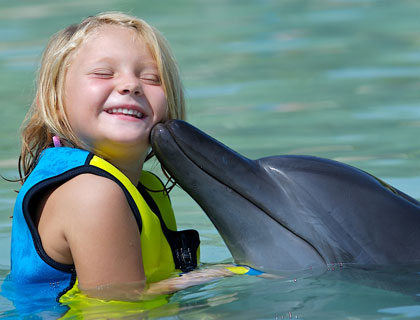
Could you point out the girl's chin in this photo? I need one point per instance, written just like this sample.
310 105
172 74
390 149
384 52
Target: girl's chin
121 155
121 145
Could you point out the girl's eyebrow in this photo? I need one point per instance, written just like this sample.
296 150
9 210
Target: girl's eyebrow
150 63
103 59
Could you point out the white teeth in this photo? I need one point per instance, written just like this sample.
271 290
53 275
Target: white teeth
129 112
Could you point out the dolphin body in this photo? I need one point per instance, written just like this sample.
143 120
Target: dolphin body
291 213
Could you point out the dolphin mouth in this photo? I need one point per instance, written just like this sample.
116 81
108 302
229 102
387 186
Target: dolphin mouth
174 142
174 134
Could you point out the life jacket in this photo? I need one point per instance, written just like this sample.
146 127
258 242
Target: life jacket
165 251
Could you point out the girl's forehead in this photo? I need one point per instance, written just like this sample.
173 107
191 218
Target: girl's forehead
108 31
107 38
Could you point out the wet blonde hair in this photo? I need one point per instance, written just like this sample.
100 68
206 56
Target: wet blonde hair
47 116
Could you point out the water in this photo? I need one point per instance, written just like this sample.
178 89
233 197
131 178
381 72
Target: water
332 78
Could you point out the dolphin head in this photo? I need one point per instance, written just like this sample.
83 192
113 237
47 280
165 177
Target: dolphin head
237 195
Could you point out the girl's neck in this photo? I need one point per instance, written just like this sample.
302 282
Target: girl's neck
129 163
132 168
133 172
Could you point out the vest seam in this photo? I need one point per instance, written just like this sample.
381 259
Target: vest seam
89 159
69 287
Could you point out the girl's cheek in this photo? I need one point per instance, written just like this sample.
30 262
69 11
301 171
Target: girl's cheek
97 85
158 102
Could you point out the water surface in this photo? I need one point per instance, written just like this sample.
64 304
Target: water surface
332 78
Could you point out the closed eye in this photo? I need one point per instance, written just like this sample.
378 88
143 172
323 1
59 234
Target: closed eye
152 79
103 74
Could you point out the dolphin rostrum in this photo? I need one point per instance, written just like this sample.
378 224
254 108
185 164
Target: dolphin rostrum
290 213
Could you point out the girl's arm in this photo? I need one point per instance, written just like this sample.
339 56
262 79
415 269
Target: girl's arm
87 221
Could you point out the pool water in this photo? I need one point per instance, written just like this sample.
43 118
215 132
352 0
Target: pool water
333 78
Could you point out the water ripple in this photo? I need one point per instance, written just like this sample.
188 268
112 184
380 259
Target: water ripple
374 73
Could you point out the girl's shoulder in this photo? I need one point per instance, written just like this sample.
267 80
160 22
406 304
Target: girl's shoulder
90 193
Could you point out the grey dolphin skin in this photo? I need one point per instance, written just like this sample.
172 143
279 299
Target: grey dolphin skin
290 213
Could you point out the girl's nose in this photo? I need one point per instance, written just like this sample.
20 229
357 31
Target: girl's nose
130 86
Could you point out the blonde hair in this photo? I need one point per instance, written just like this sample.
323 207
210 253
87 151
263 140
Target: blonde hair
47 116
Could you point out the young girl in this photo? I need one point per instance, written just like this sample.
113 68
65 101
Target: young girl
86 213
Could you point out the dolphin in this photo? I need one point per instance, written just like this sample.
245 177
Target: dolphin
291 212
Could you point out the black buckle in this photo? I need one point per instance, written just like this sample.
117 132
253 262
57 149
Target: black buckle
184 259
184 249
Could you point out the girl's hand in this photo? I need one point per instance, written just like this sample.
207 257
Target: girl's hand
186 280
138 290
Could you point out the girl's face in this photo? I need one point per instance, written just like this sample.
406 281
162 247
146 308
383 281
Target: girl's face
113 94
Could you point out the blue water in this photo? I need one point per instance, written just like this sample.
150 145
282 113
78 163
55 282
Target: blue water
332 78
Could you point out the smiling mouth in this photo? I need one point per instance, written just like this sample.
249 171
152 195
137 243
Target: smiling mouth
127 112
